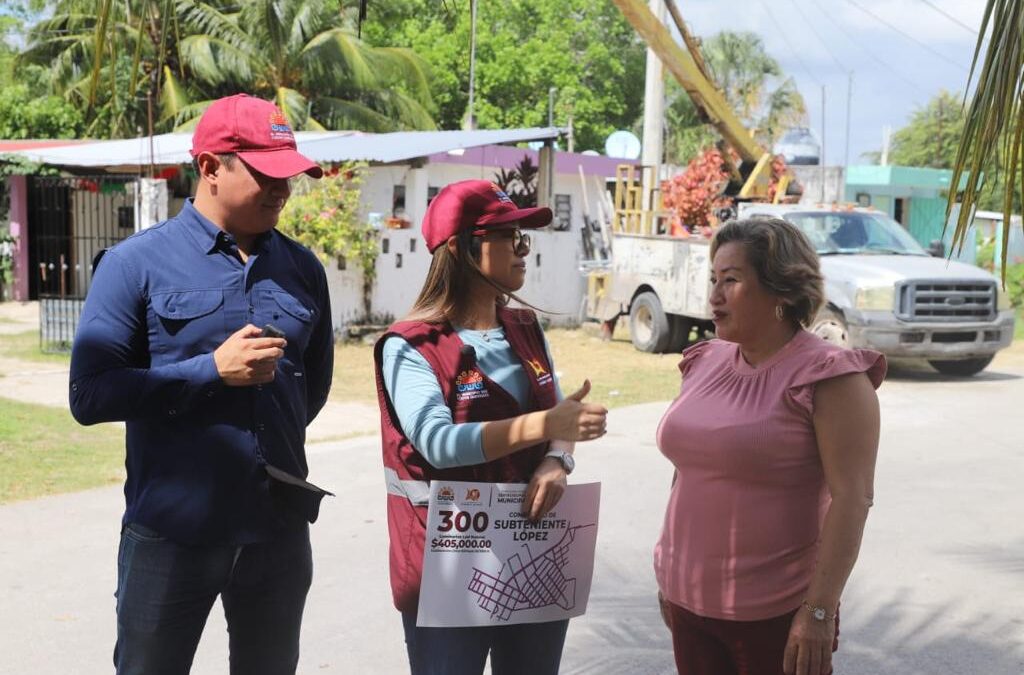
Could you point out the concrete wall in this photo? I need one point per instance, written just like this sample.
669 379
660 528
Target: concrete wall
553 282
17 187
810 178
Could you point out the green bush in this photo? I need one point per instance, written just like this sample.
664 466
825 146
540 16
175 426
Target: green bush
325 216
1015 284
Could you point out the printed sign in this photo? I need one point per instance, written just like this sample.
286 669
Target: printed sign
486 564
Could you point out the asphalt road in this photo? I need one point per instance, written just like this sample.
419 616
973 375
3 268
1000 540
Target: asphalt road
939 588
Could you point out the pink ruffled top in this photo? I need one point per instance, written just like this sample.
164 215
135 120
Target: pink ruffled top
741 529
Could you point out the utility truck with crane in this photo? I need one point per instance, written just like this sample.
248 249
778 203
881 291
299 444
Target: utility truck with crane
884 291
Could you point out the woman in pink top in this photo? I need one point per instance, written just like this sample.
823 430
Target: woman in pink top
774 437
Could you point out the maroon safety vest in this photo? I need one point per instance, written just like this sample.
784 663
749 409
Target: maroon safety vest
472 397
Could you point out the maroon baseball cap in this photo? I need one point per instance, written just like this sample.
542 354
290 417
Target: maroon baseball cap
476 204
255 130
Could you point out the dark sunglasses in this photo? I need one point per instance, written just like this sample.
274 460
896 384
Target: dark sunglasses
520 240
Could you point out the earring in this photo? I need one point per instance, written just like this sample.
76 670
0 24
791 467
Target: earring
779 314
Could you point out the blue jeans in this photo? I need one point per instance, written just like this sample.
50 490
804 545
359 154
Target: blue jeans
517 649
165 592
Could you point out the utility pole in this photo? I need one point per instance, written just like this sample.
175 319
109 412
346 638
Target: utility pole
654 107
849 97
551 106
470 122
821 163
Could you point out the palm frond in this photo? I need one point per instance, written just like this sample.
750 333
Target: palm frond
294 106
267 16
173 98
308 20
336 55
994 127
403 65
338 113
406 111
217 62
202 18
189 115
103 17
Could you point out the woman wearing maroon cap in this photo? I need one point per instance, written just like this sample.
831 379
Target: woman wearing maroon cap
466 392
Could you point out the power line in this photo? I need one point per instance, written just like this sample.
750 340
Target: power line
792 49
972 31
888 68
824 44
906 35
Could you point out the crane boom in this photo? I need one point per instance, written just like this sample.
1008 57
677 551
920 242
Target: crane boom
755 160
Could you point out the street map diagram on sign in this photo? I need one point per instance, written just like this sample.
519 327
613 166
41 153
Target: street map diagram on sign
530 584
486 564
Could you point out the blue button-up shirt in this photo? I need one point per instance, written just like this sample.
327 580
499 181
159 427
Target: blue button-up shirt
159 305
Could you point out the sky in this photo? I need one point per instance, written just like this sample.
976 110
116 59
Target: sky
818 42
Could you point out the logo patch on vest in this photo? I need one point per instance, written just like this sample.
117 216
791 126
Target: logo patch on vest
542 375
446 494
470 385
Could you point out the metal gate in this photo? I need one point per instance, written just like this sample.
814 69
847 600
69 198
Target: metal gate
70 220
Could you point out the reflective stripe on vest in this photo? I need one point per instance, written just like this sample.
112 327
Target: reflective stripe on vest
416 491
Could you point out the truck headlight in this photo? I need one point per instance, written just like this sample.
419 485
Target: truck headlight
879 297
1002 300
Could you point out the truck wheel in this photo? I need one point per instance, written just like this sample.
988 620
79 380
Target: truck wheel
680 329
830 326
648 325
963 368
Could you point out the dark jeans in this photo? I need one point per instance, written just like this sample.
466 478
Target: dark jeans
165 592
518 649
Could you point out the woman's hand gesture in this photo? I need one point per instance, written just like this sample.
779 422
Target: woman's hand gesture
573 420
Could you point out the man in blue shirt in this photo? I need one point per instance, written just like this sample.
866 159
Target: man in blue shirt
216 412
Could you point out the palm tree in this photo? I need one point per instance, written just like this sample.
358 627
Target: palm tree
746 73
994 127
307 59
152 65
111 60
752 82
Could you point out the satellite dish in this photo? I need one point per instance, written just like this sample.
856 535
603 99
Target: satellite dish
591 153
622 144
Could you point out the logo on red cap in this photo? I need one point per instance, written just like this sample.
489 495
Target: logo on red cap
279 129
502 197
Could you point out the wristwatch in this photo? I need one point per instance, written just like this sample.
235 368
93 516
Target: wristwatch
565 458
818 613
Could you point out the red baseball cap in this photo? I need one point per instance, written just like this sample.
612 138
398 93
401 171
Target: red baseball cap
476 204
255 130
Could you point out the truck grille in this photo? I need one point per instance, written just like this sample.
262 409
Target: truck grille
946 301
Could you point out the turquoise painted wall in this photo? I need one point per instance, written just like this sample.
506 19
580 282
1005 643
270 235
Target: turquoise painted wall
927 219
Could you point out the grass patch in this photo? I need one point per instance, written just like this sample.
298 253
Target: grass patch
353 374
25 347
43 451
620 374
1018 328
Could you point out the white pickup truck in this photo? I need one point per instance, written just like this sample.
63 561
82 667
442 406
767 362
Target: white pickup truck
883 290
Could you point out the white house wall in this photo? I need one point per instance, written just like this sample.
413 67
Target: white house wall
553 283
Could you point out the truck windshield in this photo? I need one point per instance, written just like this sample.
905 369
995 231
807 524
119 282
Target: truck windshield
855 232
